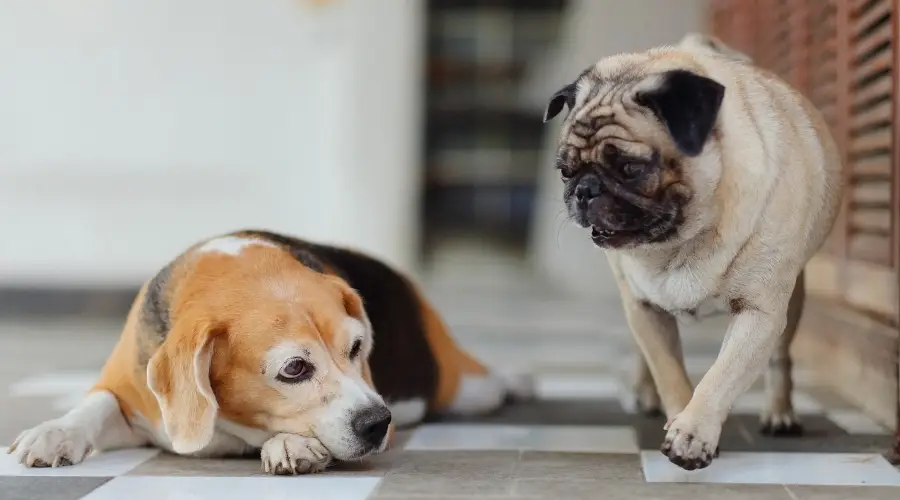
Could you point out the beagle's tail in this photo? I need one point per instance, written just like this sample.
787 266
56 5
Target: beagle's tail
466 386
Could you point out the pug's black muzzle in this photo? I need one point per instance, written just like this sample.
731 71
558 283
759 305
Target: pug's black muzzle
618 217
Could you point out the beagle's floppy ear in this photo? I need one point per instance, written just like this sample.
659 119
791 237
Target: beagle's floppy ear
353 303
178 375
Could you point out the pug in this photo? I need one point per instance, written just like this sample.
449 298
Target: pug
706 180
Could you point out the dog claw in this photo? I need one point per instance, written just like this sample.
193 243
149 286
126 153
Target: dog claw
687 463
781 429
780 425
687 450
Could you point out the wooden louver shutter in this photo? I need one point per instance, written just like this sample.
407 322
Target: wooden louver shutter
870 132
842 54
827 86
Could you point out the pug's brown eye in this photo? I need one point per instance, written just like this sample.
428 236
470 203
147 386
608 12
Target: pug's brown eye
355 349
295 370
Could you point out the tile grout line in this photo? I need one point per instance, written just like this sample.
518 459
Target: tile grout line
746 434
790 493
513 477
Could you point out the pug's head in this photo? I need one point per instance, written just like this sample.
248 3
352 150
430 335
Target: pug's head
638 152
702 41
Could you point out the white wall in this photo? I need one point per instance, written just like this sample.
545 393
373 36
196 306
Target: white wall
592 29
129 129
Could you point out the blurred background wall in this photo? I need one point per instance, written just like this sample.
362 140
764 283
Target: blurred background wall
129 130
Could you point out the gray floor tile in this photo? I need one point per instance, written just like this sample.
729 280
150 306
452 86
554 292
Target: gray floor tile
599 489
580 466
48 488
172 465
447 497
844 492
602 412
473 474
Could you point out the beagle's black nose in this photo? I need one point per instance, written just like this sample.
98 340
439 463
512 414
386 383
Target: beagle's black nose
371 424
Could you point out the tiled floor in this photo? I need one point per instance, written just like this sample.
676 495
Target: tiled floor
581 440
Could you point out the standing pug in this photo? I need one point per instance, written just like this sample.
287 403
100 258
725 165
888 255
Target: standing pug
705 179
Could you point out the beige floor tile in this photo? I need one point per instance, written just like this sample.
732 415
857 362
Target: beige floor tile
476 496
605 490
474 474
580 466
48 488
173 465
844 493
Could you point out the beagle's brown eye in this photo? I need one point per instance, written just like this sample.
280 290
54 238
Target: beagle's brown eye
355 349
295 370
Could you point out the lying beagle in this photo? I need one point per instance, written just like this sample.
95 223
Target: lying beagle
259 342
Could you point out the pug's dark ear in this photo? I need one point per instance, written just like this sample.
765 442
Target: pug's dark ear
688 104
563 97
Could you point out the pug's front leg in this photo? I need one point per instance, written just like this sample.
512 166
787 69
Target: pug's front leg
646 396
656 333
693 435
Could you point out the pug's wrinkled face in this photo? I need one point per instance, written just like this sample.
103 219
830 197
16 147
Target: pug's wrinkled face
634 149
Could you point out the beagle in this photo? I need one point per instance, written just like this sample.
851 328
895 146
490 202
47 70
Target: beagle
256 342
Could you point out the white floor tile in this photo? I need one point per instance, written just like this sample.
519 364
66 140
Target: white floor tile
67 388
576 439
585 386
528 354
855 422
827 469
55 383
577 386
696 366
108 464
236 488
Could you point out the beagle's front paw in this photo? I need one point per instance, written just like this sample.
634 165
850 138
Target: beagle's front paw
51 444
289 454
692 443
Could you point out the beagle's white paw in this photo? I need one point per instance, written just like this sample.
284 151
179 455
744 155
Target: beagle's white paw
51 444
289 454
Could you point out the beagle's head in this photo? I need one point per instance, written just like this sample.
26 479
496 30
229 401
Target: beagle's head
257 343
